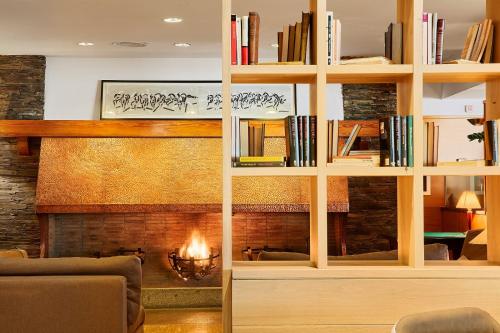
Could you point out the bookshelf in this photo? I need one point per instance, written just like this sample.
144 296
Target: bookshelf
248 286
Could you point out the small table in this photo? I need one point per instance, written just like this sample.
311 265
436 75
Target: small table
454 240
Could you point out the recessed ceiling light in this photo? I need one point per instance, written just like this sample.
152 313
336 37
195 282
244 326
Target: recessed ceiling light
275 45
182 44
86 44
130 44
172 20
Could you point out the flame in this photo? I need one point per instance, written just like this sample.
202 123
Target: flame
196 249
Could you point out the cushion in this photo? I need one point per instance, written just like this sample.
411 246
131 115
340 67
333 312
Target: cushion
462 320
16 253
474 251
126 266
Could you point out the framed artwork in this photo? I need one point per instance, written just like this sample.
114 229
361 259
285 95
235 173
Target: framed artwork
193 100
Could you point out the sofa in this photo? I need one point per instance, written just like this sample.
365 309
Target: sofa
77 295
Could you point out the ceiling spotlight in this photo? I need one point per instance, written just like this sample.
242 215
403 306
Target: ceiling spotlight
172 20
86 44
275 46
130 44
182 44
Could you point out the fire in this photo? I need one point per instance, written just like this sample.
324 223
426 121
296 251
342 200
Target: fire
196 249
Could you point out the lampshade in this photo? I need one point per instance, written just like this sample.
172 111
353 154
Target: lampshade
468 200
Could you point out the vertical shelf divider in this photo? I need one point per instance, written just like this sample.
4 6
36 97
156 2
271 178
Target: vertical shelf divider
492 111
227 192
317 106
409 101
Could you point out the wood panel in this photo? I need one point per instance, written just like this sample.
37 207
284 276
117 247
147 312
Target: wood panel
125 128
355 301
315 329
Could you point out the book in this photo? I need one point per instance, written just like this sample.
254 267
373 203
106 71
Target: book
253 38
430 143
398 134
384 142
367 161
425 27
238 40
430 25
234 59
350 141
291 42
284 49
467 42
409 131
366 61
330 139
256 159
306 23
392 142
471 163
488 142
300 134
244 138
388 42
233 139
258 164
435 150
434 37
440 41
484 41
295 140
480 39
472 42
329 34
244 40
494 136
280 45
397 43
298 40
306 141
338 42
404 142
291 141
335 136
426 146
489 47
313 143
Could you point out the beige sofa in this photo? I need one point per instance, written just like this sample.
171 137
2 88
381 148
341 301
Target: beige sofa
77 295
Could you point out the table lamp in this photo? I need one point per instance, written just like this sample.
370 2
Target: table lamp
469 201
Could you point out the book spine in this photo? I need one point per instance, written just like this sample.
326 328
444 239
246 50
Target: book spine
306 23
234 60
238 137
280 45
300 132
384 142
397 134
291 42
329 27
409 133
425 27
338 41
306 139
440 41
495 142
429 38
288 141
392 142
244 40
313 145
298 41
238 40
253 38
404 142
233 139
434 37
296 139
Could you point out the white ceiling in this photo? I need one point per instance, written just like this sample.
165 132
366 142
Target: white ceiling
54 27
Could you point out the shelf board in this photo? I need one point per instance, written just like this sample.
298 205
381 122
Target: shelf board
278 171
462 171
461 73
368 73
369 171
273 74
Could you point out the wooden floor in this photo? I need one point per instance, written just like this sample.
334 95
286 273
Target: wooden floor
183 321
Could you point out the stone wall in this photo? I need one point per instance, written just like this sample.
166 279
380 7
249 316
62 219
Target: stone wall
22 83
372 221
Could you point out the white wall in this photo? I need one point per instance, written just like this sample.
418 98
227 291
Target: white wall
72 85
450 99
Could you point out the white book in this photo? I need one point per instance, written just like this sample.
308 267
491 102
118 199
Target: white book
233 139
329 27
333 42
238 40
425 26
434 37
238 138
244 138
244 31
429 38
338 41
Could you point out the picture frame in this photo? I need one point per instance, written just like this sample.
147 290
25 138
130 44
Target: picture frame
121 99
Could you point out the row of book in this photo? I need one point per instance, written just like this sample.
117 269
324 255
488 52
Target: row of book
396 141
431 143
491 143
394 43
334 39
301 144
245 39
433 39
293 41
479 42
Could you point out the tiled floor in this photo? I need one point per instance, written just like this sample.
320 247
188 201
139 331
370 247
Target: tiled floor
183 321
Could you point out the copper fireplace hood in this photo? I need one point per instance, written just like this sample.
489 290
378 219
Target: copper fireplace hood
96 175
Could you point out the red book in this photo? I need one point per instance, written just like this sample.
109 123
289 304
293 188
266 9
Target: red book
244 40
234 60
